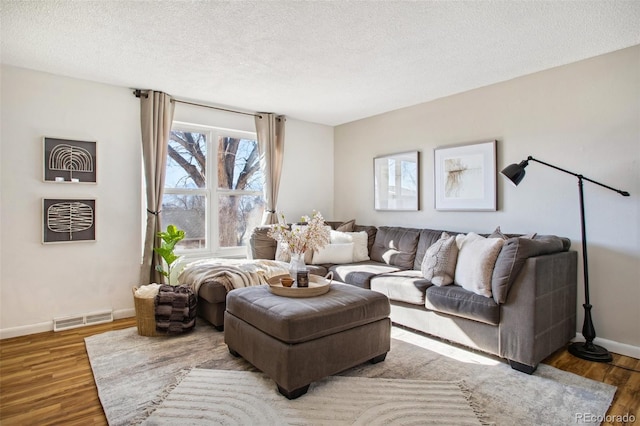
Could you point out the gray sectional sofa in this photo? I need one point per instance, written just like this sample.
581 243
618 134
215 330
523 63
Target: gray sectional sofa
531 314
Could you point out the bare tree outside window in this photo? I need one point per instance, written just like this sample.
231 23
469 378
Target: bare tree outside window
238 194
238 170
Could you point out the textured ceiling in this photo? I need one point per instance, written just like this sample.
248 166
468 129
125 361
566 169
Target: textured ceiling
321 61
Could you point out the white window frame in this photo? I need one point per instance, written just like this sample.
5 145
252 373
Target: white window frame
211 191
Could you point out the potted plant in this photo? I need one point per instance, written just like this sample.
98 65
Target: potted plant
170 238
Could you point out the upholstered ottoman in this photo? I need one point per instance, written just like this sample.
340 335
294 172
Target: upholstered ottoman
296 341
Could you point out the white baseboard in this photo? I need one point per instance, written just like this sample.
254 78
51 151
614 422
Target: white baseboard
615 347
24 330
124 313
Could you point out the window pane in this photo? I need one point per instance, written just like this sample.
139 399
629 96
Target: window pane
239 164
187 212
186 160
238 214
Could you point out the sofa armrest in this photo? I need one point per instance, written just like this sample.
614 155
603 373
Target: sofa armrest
539 316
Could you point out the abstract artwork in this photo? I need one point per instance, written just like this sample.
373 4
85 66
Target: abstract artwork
396 180
68 220
69 161
465 177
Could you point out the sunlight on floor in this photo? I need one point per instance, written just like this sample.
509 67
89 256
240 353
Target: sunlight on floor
443 348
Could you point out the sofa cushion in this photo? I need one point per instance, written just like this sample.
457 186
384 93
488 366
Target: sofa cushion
395 246
513 254
403 286
476 261
360 274
439 263
455 300
213 291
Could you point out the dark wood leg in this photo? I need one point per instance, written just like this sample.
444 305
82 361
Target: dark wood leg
378 358
524 368
296 393
234 353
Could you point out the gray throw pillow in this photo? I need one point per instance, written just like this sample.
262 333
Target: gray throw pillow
514 253
439 263
346 226
262 245
497 233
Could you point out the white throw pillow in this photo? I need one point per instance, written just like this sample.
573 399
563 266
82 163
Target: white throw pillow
476 259
282 253
334 253
360 243
439 263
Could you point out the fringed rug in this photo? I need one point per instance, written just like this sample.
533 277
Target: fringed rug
133 373
206 397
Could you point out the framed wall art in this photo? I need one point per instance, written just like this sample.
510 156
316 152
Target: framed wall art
69 161
67 220
465 177
397 181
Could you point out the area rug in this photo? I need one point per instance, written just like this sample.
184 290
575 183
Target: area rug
228 397
133 373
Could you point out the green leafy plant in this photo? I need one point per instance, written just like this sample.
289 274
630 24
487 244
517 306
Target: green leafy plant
170 238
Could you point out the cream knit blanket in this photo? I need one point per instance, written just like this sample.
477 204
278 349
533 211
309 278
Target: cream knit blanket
238 272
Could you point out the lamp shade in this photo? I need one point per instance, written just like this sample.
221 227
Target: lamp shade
515 172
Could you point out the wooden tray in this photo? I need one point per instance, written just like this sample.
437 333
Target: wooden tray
317 286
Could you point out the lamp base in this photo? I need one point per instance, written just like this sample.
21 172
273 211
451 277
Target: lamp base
590 352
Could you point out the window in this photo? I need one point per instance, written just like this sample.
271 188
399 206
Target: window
213 188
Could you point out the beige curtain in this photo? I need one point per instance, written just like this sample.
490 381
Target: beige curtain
156 116
270 131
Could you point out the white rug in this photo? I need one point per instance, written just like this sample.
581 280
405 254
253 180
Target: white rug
132 373
224 397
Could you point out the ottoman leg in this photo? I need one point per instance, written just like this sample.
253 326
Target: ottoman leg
296 393
234 353
378 358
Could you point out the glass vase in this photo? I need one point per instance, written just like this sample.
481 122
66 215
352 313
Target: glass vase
296 264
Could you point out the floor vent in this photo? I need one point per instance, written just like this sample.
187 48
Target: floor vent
65 323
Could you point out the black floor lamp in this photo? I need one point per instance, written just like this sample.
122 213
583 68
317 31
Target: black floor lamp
587 350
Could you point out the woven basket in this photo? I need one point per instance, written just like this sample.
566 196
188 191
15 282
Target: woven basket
145 315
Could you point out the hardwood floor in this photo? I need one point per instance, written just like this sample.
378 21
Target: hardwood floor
46 379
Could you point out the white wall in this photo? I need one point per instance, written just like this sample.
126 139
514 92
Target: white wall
584 117
39 282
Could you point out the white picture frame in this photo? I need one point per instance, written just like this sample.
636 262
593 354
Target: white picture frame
397 181
465 177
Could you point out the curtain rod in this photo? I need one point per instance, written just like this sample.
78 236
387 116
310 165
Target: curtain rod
139 93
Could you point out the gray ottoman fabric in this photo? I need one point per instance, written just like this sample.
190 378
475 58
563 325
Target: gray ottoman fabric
295 320
296 341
